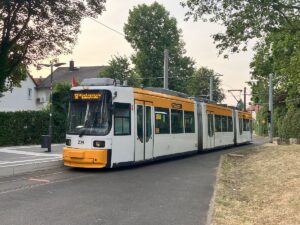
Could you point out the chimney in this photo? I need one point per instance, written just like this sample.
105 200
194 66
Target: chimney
72 67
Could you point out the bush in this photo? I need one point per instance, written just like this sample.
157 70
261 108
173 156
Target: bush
26 127
261 122
290 124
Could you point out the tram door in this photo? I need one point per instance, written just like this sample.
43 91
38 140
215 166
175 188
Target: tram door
210 131
143 130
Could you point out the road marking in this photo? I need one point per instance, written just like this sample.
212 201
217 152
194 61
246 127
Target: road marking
31 163
31 146
39 180
27 187
23 161
26 178
20 157
3 150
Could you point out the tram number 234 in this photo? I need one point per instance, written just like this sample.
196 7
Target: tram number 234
80 142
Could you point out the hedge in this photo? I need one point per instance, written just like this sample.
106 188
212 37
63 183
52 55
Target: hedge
290 124
286 122
26 127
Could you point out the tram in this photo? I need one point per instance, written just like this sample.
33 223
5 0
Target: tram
110 125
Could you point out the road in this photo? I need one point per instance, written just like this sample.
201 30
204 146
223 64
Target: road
174 192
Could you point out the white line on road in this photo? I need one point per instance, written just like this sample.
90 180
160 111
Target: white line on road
24 161
39 180
31 163
30 146
3 150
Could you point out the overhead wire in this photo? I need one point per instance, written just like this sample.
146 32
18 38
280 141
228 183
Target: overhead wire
108 27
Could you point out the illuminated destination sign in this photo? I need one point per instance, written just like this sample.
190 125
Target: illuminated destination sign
86 96
176 106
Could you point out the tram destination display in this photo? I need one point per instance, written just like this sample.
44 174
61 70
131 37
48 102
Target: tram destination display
86 96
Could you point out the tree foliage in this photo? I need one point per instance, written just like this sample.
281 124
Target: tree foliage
245 19
61 98
200 83
31 30
119 68
150 29
279 54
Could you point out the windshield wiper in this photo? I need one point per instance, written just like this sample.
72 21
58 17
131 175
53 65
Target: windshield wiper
81 132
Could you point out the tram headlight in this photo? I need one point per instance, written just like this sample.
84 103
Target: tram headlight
68 142
99 144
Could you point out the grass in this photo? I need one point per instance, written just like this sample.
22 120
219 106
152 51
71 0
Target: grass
259 186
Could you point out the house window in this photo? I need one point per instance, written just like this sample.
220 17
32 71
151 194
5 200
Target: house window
29 93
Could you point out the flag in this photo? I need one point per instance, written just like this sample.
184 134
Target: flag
74 83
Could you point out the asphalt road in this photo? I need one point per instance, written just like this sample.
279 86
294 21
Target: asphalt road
174 192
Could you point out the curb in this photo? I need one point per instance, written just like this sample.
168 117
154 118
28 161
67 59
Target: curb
210 212
19 169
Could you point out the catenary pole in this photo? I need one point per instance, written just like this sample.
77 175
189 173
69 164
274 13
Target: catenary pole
50 111
271 108
211 88
245 106
166 69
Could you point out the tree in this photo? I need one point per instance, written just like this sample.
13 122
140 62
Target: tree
119 68
61 98
150 30
60 102
199 85
279 54
245 19
31 30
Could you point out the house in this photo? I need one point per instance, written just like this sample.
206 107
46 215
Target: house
34 93
20 98
66 74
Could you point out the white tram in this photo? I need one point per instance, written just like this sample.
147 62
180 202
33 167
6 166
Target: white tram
111 125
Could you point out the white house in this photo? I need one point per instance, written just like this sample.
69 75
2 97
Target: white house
33 94
20 98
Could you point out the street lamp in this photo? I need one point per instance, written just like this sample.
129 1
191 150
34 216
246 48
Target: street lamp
52 64
211 85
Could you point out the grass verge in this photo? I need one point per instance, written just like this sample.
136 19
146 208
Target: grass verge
259 185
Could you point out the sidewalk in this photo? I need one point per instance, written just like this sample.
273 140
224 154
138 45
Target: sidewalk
23 159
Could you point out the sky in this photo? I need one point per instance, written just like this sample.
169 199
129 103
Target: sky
97 44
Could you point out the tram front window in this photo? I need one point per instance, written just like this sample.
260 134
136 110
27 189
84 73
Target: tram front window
90 113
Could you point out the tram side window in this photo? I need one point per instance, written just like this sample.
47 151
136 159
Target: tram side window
218 123
246 125
230 125
122 119
224 124
177 121
162 121
189 122
210 124
241 125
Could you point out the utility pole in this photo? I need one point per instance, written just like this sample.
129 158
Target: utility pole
211 88
166 69
271 108
51 65
245 106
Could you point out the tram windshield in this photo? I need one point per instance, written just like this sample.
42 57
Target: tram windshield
90 113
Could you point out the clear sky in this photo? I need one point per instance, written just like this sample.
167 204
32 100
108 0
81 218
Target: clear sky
96 44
